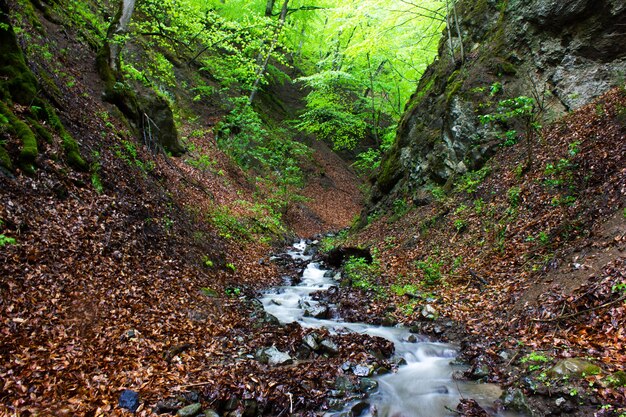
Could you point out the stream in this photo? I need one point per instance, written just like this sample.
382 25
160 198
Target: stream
424 387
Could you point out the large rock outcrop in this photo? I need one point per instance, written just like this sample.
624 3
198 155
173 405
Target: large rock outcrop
562 53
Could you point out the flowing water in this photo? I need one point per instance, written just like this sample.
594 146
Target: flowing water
424 387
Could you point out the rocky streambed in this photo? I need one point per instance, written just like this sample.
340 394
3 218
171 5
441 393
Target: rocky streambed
425 382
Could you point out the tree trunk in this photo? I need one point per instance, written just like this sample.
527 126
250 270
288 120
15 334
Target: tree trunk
263 67
269 8
108 59
458 31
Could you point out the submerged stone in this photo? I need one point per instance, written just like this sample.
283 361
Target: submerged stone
367 384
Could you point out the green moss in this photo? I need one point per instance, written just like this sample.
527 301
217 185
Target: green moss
29 150
507 68
5 159
390 170
453 88
16 80
40 131
72 153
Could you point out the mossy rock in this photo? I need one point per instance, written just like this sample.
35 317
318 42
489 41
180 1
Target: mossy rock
40 131
72 153
29 151
390 170
573 367
20 84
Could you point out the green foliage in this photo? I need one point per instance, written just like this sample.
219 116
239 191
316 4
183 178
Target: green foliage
329 243
514 196
403 289
431 270
518 107
268 151
232 291
334 113
361 273
227 224
535 360
479 205
5 240
509 138
438 193
574 148
460 225
95 166
207 262
128 152
472 179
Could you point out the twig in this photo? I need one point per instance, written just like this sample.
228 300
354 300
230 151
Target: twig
199 384
453 410
567 316
290 402
513 358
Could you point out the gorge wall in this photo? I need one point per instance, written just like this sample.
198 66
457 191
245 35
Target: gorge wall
564 54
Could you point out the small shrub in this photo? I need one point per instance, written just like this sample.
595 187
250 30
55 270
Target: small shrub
5 240
471 180
431 270
460 225
514 196
362 274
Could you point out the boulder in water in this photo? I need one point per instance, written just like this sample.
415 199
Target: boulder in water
359 408
318 311
367 384
362 370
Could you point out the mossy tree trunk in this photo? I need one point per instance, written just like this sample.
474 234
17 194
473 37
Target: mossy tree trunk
150 113
19 85
109 62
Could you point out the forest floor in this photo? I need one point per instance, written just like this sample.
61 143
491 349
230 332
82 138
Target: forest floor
132 288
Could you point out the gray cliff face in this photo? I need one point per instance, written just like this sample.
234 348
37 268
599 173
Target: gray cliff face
562 53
